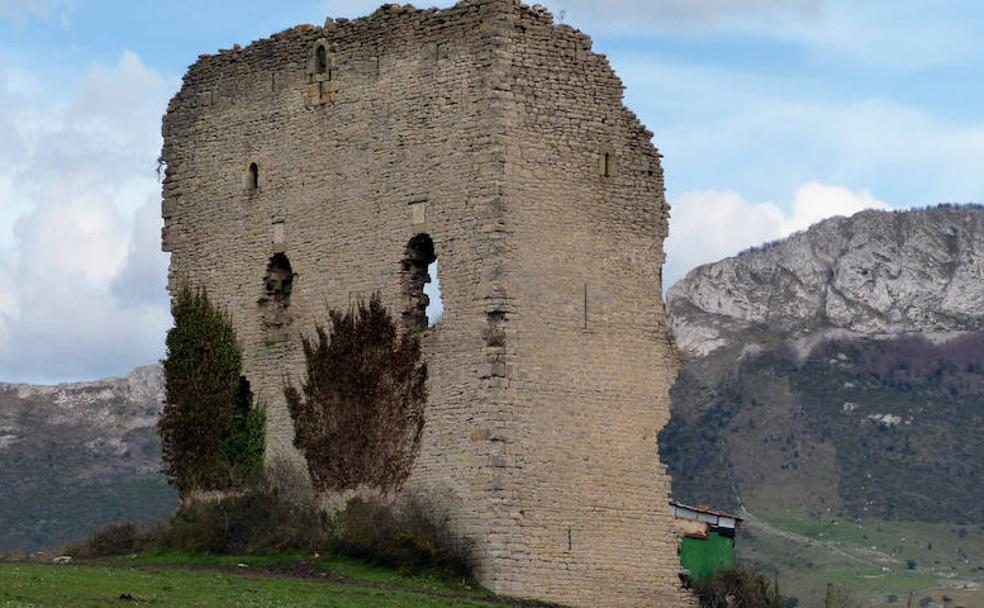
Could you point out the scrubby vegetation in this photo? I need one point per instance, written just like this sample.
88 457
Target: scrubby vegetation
408 536
269 518
737 588
115 539
900 418
870 445
359 414
281 515
212 437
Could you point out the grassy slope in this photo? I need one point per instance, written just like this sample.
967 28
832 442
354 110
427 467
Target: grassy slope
780 436
182 580
56 490
870 557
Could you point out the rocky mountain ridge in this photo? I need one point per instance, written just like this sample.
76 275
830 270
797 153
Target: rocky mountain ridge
877 272
112 406
832 386
79 455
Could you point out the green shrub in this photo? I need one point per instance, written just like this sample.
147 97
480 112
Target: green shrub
211 438
408 536
277 515
245 445
115 539
840 597
282 514
737 588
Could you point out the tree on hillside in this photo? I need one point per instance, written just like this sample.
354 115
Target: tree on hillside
208 426
359 416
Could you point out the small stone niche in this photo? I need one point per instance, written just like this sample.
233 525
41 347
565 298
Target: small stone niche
418 214
279 236
321 74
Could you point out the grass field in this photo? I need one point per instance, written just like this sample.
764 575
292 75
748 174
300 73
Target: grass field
880 561
229 581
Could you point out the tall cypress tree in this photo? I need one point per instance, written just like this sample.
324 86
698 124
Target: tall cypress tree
204 394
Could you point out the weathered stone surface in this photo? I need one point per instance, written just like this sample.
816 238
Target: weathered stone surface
504 138
108 409
876 272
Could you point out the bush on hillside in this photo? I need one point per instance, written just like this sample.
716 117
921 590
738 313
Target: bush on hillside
737 588
279 514
282 514
840 597
114 539
408 536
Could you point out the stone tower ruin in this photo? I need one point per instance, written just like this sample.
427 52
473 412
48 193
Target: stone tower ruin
313 168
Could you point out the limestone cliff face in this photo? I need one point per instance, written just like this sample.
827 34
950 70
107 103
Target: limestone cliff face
837 375
104 413
876 272
77 456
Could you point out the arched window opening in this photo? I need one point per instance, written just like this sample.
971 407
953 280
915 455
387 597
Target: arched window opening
278 283
321 60
253 177
419 255
279 279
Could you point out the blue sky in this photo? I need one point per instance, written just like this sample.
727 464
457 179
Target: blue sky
771 115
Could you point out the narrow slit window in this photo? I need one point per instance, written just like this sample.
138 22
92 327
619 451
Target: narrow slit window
253 177
608 164
321 60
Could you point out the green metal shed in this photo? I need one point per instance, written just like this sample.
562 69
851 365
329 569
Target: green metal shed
708 539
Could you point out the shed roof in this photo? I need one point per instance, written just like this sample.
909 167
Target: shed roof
706 515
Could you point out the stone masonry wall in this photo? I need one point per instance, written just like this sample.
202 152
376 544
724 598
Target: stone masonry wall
290 168
591 365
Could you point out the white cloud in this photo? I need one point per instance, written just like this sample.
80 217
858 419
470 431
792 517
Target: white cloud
79 235
646 15
815 202
21 11
911 35
80 262
9 308
764 134
708 226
